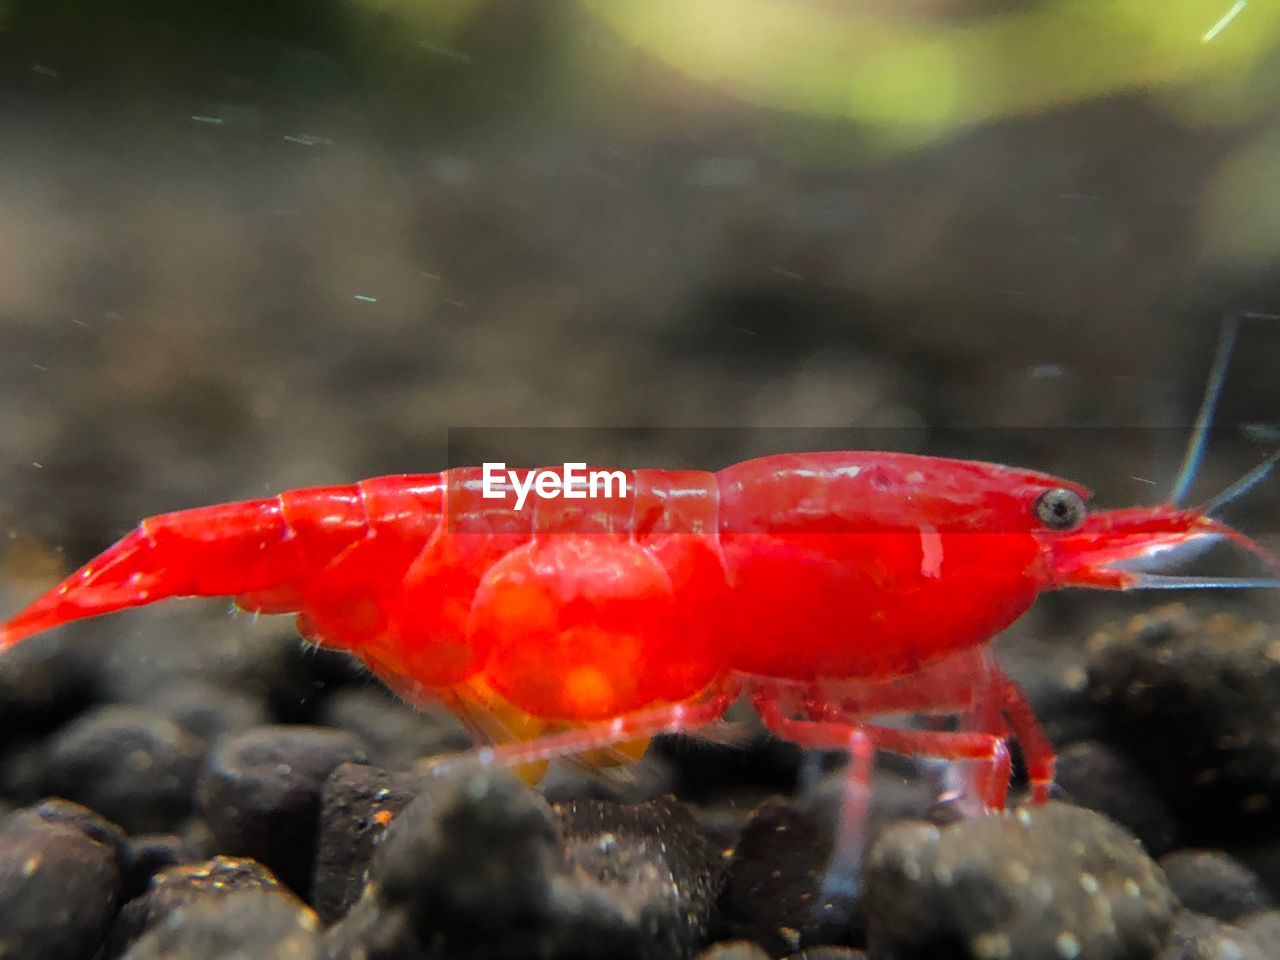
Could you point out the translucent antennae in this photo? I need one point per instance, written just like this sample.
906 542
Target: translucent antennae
1157 581
1243 485
1204 419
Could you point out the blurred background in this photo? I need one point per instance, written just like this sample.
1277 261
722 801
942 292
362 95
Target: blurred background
252 245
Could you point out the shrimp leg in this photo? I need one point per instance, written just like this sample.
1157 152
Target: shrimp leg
683 717
1037 752
861 740
850 842
970 685
838 733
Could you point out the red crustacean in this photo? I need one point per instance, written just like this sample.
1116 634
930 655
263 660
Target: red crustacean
830 587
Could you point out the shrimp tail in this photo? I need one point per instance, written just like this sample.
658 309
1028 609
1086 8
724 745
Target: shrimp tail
272 555
210 551
111 582
261 552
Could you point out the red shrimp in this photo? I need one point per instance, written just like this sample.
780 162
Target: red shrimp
830 587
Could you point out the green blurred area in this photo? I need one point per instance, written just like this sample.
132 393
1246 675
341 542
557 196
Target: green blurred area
893 77
915 78
908 73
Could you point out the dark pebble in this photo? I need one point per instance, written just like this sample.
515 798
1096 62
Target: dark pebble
22 771
59 889
463 867
773 886
277 669
828 953
43 683
1215 884
706 771
1094 775
1260 856
651 863
1199 937
1196 701
177 887
268 666
135 767
92 824
357 803
207 711
772 891
396 734
721 823
476 866
141 664
311 675
251 925
1051 881
481 847
146 855
198 840
260 794
901 789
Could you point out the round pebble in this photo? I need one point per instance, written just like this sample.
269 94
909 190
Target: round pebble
929 890
59 889
478 865
1216 884
245 925
397 735
1195 701
1094 775
135 767
177 887
260 795
357 804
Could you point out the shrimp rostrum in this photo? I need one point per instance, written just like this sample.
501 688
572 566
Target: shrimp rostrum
828 587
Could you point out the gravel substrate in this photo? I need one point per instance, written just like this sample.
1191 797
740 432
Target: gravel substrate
191 827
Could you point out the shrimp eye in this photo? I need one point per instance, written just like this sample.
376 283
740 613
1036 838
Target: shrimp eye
1060 509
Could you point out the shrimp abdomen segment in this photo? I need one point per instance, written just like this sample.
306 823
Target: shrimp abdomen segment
263 552
582 611
343 596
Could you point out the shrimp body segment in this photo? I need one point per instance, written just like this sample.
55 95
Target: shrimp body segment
833 586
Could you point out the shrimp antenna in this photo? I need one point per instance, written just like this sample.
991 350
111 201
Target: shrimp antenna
1194 456
1156 581
1242 486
